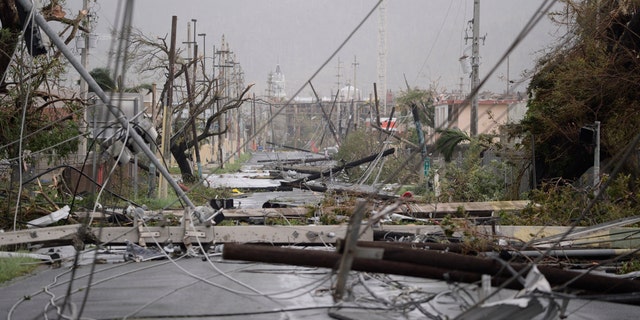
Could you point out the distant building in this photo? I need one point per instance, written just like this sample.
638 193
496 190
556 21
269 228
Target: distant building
452 113
388 124
276 86
348 93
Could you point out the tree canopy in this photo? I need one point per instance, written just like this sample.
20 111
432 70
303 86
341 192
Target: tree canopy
151 56
593 75
32 104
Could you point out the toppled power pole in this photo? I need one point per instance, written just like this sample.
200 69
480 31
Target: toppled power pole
135 136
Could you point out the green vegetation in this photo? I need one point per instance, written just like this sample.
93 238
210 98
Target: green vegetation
467 179
629 266
198 193
14 267
397 168
594 77
561 203
235 166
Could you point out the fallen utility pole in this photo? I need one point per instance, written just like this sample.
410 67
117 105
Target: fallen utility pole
349 250
327 173
434 246
433 265
327 117
474 250
290 147
555 276
346 190
78 235
392 135
294 160
328 259
298 169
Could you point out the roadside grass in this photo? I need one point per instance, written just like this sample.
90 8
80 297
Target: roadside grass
235 166
11 268
170 202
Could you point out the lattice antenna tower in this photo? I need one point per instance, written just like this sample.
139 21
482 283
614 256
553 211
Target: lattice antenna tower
382 55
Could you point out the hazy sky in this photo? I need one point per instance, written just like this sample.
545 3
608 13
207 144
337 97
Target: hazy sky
425 38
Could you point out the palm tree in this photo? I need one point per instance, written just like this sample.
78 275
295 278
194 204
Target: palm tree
102 76
449 139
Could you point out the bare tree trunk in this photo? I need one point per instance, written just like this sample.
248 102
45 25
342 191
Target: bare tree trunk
178 150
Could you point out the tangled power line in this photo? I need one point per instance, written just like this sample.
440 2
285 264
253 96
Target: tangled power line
406 297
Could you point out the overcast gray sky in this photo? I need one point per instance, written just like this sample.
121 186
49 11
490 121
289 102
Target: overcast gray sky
425 38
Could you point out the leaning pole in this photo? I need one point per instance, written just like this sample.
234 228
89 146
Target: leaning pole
105 99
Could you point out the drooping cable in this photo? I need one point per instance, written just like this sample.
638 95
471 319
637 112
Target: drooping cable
126 30
22 124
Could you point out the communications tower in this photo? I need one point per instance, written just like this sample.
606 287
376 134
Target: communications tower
382 56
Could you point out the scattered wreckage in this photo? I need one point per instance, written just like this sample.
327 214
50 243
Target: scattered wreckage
420 250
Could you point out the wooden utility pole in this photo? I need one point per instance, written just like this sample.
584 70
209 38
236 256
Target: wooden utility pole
196 148
84 60
376 103
356 97
475 61
168 110
222 84
327 117
253 122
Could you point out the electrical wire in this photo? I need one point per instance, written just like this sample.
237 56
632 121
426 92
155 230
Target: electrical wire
92 272
424 63
199 184
45 127
152 301
55 283
22 124
201 279
90 219
196 238
235 280
126 29
51 146
322 66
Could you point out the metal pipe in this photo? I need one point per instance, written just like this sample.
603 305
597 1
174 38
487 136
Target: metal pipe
102 95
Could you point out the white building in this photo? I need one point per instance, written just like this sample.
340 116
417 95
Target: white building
278 85
348 93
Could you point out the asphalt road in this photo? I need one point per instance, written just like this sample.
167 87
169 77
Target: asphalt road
190 288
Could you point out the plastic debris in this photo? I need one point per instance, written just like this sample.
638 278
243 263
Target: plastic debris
53 217
138 253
